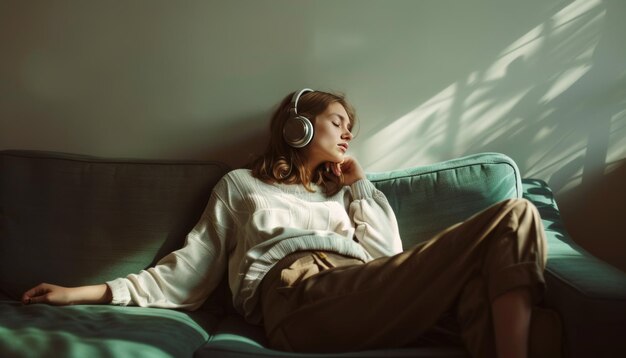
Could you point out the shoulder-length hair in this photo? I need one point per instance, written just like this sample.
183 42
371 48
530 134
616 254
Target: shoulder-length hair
282 163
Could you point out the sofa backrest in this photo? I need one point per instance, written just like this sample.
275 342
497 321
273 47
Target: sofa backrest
427 199
74 220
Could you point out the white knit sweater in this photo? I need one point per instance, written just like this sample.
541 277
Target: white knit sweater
247 226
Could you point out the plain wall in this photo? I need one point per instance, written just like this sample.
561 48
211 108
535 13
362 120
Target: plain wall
542 81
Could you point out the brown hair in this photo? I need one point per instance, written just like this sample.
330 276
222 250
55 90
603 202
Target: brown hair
282 163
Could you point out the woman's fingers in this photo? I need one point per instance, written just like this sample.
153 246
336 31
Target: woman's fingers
351 170
32 295
336 168
43 293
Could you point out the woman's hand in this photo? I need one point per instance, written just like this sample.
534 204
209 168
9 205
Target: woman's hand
350 168
59 295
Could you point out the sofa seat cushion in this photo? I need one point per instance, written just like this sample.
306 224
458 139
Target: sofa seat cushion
234 338
100 331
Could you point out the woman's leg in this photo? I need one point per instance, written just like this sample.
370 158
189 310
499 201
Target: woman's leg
390 302
489 300
511 320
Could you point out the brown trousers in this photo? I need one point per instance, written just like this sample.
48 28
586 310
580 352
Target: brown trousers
325 302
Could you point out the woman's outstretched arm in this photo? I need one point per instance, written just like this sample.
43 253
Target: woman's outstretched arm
59 295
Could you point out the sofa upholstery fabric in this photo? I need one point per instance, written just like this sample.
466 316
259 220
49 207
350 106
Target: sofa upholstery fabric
72 219
76 220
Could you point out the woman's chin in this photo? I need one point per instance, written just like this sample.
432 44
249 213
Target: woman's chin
339 158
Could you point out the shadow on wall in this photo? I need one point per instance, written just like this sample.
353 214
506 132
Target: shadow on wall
244 149
549 85
240 141
601 231
555 101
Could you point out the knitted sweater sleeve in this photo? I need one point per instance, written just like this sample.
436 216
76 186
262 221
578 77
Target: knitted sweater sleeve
184 278
376 227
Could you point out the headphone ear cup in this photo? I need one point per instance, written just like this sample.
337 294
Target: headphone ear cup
298 131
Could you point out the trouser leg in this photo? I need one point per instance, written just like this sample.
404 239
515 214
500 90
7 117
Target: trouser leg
391 301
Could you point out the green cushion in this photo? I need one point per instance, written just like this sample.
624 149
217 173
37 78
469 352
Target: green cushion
566 259
237 339
430 198
75 220
100 331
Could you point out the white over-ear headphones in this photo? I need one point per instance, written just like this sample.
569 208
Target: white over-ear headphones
298 130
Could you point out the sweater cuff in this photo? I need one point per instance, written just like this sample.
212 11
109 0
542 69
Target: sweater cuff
119 292
362 189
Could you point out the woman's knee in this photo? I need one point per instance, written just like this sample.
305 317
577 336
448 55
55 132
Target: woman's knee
527 223
521 207
524 208
521 204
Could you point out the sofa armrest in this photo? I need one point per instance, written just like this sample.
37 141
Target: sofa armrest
588 293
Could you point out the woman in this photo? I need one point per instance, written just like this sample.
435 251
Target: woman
313 251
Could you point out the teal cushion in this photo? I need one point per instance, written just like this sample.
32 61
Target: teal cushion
568 260
74 220
100 331
427 199
237 339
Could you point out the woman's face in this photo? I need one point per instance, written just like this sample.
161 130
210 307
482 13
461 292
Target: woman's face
331 138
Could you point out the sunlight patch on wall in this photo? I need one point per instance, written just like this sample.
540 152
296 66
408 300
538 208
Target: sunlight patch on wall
477 122
617 140
552 158
544 133
565 81
574 11
526 103
527 46
513 127
562 161
412 137
572 181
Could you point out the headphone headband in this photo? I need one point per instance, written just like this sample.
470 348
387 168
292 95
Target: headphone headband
296 98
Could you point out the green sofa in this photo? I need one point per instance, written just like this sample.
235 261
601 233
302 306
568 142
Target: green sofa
73 220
